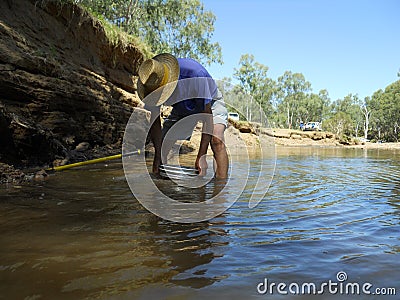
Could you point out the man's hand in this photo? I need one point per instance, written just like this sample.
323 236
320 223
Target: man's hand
201 165
206 134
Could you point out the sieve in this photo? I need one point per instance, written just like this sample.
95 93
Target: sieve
178 172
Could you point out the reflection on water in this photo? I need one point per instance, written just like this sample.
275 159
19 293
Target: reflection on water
82 235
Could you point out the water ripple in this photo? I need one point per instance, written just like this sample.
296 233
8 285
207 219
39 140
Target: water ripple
81 234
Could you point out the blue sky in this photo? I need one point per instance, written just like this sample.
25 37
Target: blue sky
343 46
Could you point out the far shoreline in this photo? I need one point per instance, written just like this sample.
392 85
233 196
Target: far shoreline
11 175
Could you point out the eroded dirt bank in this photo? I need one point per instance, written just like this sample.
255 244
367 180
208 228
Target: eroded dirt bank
62 83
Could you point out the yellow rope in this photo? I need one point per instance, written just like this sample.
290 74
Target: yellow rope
89 162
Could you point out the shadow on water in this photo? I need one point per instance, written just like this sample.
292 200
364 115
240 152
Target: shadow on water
96 237
81 234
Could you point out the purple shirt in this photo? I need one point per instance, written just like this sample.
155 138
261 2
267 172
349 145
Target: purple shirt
195 88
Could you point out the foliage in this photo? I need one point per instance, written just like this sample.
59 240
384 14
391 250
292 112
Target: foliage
345 116
254 81
289 100
385 113
183 28
292 94
116 36
376 117
339 123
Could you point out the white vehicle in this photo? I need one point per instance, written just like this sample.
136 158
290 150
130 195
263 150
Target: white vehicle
313 126
363 140
233 116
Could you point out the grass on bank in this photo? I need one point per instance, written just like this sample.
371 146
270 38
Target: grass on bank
116 36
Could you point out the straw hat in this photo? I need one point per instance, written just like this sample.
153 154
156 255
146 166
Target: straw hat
158 77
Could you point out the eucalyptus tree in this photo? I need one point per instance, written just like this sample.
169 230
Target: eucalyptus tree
254 80
345 117
366 109
356 115
183 28
326 101
391 101
292 89
385 113
339 123
377 115
313 107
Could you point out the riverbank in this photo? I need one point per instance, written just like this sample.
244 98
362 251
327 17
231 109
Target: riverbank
243 135
282 138
289 137
377 146
67 88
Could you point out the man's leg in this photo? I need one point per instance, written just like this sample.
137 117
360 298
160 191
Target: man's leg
175 128
219 149
167 144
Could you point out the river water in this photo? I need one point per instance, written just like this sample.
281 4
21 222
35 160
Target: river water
329 212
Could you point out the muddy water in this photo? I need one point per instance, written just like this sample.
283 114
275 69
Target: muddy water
81 234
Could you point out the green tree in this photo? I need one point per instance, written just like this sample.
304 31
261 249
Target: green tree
385 113
356 114
292 94
377 115
254 80
123 13
339 123
313 107
180 27
326 101
366 108
346 116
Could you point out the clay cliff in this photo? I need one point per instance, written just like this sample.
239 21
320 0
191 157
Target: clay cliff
62 82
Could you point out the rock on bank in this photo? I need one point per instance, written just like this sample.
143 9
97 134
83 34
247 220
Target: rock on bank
61 83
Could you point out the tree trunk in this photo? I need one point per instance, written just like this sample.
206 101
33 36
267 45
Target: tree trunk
247 109
251 106
366 123
357 125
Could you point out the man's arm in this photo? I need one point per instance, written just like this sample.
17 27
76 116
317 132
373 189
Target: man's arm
206 136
